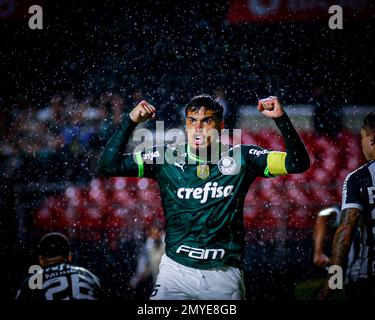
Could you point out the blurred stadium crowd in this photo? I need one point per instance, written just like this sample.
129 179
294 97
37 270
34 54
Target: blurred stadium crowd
41 141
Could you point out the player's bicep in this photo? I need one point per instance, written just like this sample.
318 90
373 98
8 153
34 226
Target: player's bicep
131 165
145 168
269 163
344 235
349 217
276 163
257 161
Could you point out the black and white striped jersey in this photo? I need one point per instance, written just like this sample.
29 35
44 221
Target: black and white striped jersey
63 282
359 192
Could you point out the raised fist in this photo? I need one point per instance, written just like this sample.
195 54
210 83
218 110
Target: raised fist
142 112
270 107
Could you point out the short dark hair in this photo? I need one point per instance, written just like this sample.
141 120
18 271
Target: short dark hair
206 101
54 244
369 122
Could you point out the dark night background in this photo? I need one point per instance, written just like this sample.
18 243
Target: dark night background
185 47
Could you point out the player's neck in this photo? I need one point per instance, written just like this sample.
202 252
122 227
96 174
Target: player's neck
370 156
55 260
204 155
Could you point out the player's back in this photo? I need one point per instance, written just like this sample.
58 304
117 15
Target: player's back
359 193
63 281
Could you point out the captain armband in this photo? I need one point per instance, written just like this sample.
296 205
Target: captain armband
276 164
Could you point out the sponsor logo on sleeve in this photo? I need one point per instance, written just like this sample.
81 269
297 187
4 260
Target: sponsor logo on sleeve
257 153
151 155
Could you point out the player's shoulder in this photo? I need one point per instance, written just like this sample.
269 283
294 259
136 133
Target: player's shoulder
24 289
244 146
161 148
82 271
152 152
361 173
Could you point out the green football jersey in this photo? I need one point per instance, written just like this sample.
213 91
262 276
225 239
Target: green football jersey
203 200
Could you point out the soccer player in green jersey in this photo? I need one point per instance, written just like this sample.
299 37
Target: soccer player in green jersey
203 184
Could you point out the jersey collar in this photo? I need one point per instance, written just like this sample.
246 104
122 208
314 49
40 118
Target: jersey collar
194 157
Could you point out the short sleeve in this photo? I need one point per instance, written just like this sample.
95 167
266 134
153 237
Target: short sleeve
351 192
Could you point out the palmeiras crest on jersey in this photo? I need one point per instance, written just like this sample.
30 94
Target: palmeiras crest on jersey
203 171
227 165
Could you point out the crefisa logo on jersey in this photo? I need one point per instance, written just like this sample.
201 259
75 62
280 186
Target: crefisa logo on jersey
227 165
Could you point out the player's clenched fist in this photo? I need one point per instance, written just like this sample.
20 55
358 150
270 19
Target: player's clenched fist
142 112
270 107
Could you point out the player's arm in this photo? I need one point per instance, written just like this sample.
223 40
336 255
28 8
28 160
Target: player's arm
344 236
350 212
24 293
113 162
296 158
320 230
321 225
142 270
99 293
342 242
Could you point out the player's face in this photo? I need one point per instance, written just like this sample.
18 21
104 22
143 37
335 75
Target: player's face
368 144
199 127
